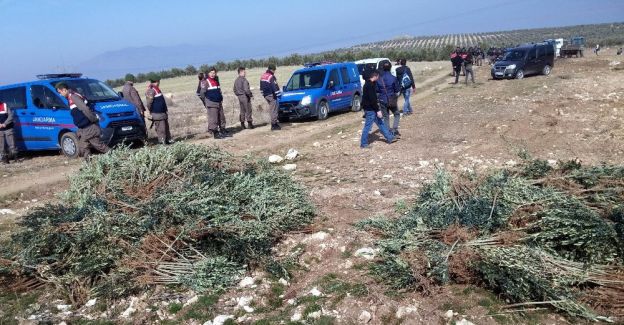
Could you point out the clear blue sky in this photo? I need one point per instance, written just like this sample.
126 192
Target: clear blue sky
45 35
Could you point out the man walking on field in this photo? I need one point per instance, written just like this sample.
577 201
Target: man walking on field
271 92
243 92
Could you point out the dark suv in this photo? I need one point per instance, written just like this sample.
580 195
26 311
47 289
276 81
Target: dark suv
525 60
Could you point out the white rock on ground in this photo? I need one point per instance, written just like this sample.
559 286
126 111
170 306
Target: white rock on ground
366 253
292 154
275 159
364 317
297 316
283 282
243 302
315 315
63 307
191 301
290 167
246 282
405 311
219 320
91 302
315 292
319 236
448 314
130 310
6 211
316 144
464 322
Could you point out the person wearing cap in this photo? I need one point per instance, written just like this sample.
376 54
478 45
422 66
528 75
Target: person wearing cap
157 111
244 94
7 141
85 119
271 92
132 95
214 105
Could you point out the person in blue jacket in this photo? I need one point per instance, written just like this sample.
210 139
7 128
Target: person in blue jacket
387 92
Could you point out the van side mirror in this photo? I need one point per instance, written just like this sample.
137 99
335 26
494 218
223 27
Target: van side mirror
120 94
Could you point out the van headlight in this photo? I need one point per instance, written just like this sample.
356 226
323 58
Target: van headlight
511 67
307 100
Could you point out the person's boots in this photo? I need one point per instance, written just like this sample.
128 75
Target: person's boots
275 127
250 125
224 133
243 125
216 135
5 159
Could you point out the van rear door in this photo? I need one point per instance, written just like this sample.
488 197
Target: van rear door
15 98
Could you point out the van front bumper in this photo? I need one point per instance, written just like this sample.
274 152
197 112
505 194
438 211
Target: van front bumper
503 73
123 131
294 110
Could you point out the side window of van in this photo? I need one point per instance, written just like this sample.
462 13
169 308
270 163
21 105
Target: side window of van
14 97
531 55
44 98
540 51
333 76
345 75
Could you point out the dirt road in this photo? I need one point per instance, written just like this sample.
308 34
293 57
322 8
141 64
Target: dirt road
575 113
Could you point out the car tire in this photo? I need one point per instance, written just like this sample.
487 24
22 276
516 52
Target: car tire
546 70
356 104
69 145
520 74
323 110
283 119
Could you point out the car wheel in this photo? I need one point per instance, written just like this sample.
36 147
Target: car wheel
69 145
283 119
356 103
546 70
323 110
520 74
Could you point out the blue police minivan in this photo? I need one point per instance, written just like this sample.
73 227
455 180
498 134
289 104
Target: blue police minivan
319 89
43 120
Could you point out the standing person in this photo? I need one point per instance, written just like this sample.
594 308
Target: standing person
158 111
89 131
271 92
463 55
453 55
8 150
132 95
214 105
408 84
468 62
372 112
244 94
201 87
387 90
457 62
597 48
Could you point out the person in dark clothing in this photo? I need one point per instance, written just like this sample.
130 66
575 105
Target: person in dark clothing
157 111
214 106
89 131
468 62
387 90
244 95
272 93
7 138
372 113
408 84
201 87
457 62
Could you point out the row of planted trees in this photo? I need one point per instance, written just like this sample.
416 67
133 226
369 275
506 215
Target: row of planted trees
417 54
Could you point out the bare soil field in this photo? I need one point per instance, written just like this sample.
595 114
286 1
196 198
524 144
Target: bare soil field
575 113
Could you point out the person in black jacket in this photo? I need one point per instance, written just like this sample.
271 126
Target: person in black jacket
457 62
372 114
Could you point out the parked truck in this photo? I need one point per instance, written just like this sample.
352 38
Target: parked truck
574 47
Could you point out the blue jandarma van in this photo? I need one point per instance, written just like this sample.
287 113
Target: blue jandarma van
321 88
43 120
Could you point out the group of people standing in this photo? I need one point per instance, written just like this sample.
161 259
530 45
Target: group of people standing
380 95
462 62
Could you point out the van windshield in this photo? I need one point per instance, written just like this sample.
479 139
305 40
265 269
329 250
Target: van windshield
93 90
306 80
514 55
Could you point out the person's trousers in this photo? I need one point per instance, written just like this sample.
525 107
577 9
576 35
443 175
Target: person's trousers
385 110
457 71
161 123
407 106
7 142
88 138
273 106
470 72
245 109
370 118
216 118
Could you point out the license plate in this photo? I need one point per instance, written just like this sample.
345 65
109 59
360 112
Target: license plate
499 73
126 128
